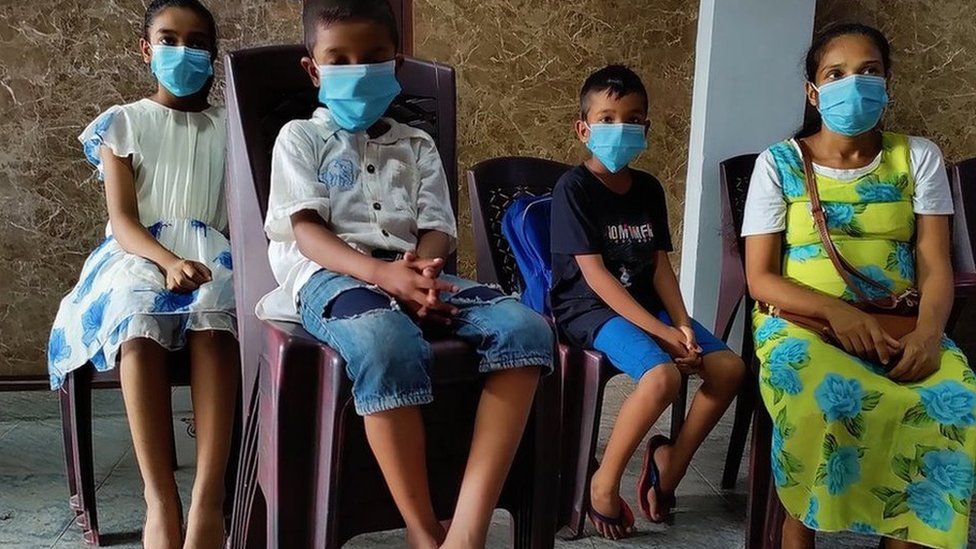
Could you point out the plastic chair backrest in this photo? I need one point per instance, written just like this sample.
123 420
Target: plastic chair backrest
963 178
735 174
267 87
492 187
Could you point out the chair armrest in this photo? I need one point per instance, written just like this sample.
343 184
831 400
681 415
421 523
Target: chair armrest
965 285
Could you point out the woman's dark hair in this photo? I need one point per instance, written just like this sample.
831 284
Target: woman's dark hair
811 120
157 6
327 12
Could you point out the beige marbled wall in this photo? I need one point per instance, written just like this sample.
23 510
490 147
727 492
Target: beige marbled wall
520 64
61 63
934 65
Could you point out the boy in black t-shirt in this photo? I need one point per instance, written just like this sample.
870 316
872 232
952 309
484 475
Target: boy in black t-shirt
614 290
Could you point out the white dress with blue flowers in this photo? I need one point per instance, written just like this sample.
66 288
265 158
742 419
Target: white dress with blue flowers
178 159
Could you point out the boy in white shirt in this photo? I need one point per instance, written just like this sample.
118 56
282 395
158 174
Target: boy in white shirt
360 222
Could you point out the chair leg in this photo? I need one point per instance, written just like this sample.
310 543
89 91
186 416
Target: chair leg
679 408
534 524
67 432
76 405
589 430
297 463
745 405
760 488
248 519
172 450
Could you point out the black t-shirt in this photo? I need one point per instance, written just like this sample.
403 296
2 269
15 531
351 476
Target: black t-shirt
626 229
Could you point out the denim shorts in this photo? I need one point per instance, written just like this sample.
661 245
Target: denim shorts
386 354
634 352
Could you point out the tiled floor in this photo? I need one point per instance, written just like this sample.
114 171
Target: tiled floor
33 495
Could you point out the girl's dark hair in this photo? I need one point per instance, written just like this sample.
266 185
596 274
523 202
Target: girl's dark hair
157 6
811 120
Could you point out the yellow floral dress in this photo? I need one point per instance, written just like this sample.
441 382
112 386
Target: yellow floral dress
853 450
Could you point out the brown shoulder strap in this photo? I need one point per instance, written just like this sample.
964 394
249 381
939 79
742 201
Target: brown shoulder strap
847 271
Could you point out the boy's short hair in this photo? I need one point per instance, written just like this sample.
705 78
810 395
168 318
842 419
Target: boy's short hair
617 80
317 13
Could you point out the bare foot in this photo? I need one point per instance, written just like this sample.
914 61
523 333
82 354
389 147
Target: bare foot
205 527
430 538
605 500
162 529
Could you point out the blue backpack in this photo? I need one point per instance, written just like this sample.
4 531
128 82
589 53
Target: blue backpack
526 227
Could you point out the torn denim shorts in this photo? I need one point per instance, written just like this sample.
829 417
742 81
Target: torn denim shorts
386 354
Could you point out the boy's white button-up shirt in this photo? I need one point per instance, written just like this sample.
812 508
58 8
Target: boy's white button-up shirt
374 193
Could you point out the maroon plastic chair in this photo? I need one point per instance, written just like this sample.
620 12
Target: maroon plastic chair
307 476
492 186
765 514
76 430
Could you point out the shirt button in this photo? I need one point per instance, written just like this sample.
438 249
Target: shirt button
384 233
370 168
377 206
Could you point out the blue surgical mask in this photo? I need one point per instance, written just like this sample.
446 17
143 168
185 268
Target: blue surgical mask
854 104
181 70
358 95
616 145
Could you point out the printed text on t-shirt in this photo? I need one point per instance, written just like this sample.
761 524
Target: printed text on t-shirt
630 233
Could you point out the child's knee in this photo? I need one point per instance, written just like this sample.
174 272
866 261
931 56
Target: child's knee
726 370
661 382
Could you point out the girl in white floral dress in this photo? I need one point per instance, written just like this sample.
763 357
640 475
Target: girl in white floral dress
161 279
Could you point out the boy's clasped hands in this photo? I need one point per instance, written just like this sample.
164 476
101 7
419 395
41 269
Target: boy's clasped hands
414 282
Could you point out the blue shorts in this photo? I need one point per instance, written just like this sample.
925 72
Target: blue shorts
634 352
386 354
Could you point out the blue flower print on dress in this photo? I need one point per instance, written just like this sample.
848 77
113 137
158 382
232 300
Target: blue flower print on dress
811 517
790 169
929 504
950 470
92 318
85 287
225 260
792 351
199 226
839 214
839 398
902 260
805 252
862 528
173 302
780 476
93 145
156 229
878 275
950 403
771 328
843 469
875 191
339 174
57 347
785 378
99 362
119 330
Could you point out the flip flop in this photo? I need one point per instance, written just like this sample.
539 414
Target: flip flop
650 479
624 519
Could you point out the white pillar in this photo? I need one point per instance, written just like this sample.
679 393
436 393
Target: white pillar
748 94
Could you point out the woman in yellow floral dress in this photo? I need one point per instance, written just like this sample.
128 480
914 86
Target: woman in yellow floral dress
875 435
